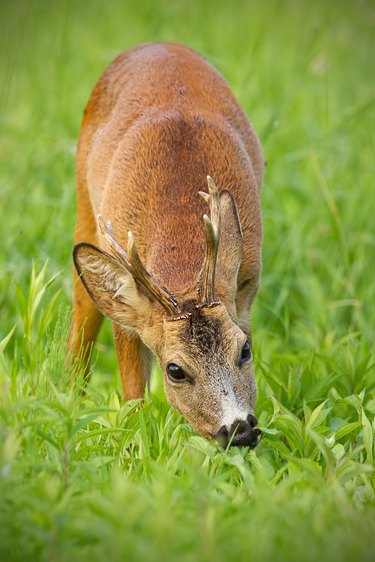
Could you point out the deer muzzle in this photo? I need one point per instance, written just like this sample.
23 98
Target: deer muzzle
240 433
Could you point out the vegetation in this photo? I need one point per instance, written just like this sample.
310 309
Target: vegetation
89 477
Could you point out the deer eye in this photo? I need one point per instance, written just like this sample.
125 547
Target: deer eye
245 353
175 373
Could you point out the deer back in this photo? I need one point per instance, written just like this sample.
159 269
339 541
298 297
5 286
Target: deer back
159 120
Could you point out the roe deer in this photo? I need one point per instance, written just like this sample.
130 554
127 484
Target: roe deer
159 124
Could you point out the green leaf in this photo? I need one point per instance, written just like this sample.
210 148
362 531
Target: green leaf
368 437
4 342
338 451
346 430
318 416
200 444
351 469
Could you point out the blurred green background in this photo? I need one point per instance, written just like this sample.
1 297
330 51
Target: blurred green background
303 71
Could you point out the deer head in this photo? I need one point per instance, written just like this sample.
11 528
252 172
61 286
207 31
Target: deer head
205 356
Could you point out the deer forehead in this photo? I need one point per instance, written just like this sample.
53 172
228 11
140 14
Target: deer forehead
206 334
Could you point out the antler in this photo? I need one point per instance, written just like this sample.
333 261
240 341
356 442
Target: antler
132 262
212 226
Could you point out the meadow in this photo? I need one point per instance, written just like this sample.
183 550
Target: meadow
87 477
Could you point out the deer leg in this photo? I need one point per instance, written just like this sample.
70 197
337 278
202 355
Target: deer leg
86 317
134 361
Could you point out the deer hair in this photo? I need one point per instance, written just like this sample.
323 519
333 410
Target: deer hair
206 280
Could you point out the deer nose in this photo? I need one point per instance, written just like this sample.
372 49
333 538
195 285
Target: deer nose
240 433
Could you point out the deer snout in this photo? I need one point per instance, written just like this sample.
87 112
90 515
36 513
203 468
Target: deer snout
240 433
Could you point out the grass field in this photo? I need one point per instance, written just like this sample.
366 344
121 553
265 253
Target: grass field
93 478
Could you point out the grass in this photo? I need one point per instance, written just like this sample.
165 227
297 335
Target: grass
91 477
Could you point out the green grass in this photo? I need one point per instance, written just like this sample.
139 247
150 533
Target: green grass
93 478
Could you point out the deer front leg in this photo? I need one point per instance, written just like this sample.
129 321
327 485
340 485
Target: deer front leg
134 361
87 319
86 324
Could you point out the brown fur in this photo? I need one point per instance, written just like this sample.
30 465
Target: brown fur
158 121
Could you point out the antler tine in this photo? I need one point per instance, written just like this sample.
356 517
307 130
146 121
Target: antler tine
161 294
214 205
116 249
212 227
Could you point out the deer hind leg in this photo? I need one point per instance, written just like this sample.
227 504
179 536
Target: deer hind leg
86 317
134 361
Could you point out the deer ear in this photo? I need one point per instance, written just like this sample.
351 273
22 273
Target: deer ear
230 248
110 285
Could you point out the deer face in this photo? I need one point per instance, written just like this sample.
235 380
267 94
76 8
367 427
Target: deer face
205 356
209 376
